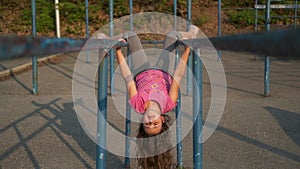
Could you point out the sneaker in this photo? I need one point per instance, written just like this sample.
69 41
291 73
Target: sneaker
102 36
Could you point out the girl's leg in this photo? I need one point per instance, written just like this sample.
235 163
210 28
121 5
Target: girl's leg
139 59
167 57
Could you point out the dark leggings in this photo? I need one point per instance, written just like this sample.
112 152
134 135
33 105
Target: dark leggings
139 59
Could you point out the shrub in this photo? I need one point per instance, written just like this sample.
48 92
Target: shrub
45 13
199 20
72 12
242 18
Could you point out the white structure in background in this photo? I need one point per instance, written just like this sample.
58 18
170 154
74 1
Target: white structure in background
57 19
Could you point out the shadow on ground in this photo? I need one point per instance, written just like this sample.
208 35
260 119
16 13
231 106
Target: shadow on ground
289 122
62 120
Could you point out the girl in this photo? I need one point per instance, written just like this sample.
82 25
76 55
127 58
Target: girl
154 92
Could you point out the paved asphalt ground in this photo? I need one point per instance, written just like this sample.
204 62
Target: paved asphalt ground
255 132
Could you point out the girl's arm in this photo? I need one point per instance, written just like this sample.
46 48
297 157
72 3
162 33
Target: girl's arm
126 73
178 75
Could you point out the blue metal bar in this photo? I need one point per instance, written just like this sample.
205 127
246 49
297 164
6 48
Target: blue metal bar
267 58
127 122
219 23
128 107
87 27
189 12
277 6
178 107
130 11
189 16
127 133
175 14
179 133
258 42
197 113
102 115
111 17
112 51
34 58
296 13
255 18
265 43
13 46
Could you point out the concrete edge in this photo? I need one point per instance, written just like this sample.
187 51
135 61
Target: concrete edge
5 74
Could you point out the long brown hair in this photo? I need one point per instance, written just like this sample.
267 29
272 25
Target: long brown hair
160 161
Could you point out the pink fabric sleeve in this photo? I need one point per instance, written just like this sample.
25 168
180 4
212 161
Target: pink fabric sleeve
170 105
137 103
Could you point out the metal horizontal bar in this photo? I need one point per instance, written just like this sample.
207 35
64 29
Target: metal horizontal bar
278 6
13 46
274 43
237 9
277 16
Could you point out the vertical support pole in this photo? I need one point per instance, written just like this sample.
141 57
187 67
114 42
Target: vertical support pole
296 14
256 16
87 27
175 29
127 122
57 19
102 114
112 51
179 133
34 58
189 12
219 22
127 133
189 18
255 19
130 11
128 107
178 107
175 14
197 113
267 58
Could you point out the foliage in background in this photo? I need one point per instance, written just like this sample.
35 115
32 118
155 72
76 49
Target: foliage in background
246 17
238 3
199 21
72 13
44 16
242 18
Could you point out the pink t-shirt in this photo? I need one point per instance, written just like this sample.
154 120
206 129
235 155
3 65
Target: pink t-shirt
152 85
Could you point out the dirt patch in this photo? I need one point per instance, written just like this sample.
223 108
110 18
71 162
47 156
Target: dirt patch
209 18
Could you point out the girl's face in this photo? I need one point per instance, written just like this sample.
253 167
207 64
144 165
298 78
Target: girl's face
153 121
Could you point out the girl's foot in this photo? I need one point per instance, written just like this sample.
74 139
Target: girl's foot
102 36
191 34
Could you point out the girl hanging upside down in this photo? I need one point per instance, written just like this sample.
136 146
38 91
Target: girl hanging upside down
153 91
